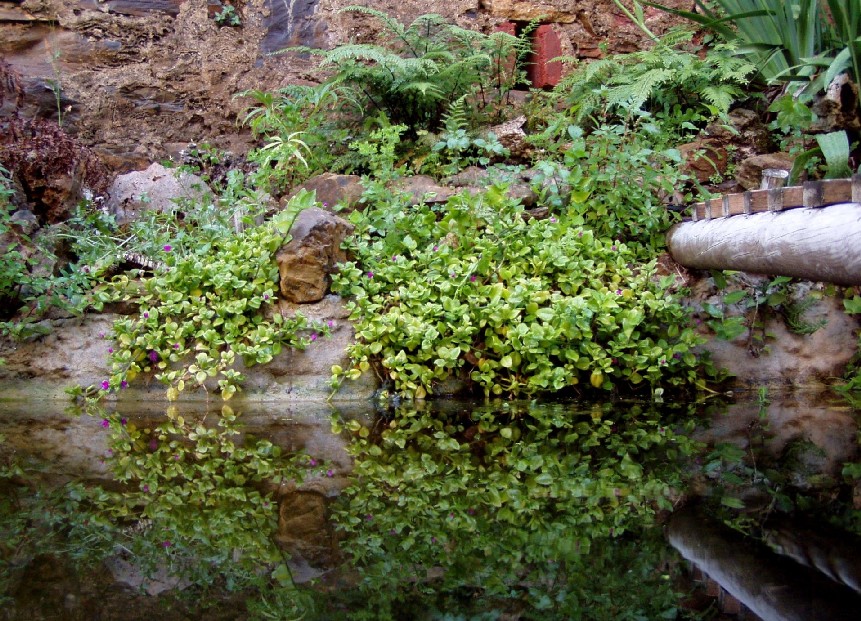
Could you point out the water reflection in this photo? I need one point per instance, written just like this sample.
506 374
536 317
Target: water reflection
445 511
542 511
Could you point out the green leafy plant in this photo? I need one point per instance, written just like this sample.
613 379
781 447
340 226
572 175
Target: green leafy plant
682 87
228 16
510 305
419 70
204 309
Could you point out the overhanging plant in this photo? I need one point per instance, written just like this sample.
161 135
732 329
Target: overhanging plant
205 309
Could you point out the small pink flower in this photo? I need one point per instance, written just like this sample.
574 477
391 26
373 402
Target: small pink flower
105 385
435 248
101 335
146 314
123 421
552 219
330 473
618 292
176 345
165 544
312 462
167 248
330 323
124 384
265 296
472 278
110 350
313 336
153 444
146 489
370 274
106 423
613 248
153 356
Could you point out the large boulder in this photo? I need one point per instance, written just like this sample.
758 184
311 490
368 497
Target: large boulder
156 188
305 263
749 171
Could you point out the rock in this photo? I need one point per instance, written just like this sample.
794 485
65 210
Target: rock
704 159
305 262
292 24
24 221
55 170
333 189
156 188
136 8
511 135
744 130
838 108
422 189
749 171
477 179
519 11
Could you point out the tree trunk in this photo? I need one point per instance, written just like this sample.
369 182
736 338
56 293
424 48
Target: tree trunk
821 244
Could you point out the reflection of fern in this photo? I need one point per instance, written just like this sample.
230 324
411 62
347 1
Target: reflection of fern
658 79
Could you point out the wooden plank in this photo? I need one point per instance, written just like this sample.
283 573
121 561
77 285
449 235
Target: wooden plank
812 194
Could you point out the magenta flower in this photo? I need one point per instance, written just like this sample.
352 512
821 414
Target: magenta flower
124 384
165 544
472 278
313 336
153 355
312 462
370 274
101 335
146 489
552 219
167 248
106 423
618 292
369 517
176 345
123 421
110 350
613 248
330 473
176 457
105 385
435 248
153 444
330 323
146 314
265 296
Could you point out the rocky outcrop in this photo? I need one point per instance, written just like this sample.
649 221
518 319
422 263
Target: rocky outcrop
333 190
749 171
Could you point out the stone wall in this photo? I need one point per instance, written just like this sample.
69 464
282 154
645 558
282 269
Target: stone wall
138 80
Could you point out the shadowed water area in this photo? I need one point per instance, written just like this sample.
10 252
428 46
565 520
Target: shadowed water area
443 510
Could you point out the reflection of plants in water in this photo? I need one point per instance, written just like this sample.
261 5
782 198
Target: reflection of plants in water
196 493
193 500
36 521
478 508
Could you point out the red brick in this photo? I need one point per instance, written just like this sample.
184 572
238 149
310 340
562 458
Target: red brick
545 46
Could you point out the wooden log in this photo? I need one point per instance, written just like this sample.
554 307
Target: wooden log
822 244
773 587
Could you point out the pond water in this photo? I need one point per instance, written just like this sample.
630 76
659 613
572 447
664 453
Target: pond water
449 510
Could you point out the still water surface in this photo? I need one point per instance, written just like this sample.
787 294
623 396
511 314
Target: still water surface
451 510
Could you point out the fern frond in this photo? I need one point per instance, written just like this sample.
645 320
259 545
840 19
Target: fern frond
635 94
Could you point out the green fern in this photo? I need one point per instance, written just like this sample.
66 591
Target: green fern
418 70
669 76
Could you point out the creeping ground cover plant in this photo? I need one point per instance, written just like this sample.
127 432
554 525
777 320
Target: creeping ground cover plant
473 291
205 309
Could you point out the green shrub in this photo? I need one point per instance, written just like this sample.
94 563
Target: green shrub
471 290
